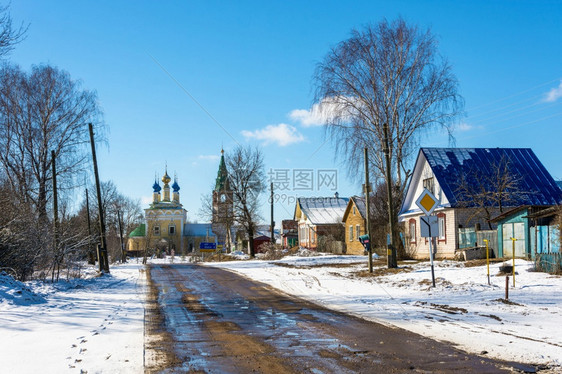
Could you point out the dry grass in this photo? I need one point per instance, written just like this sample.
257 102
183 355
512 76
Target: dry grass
481 262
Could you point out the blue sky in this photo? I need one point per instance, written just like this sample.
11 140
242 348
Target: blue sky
179 80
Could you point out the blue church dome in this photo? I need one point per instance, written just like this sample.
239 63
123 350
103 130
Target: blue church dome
156 187
176 186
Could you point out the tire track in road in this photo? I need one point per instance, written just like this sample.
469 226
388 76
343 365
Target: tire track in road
213 321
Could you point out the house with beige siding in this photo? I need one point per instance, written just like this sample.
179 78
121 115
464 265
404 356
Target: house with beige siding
319 217
473 185
355 223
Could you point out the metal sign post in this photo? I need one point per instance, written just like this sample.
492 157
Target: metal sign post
426 224
513 240
487 260
427 203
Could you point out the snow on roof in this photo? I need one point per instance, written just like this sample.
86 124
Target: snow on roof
323 210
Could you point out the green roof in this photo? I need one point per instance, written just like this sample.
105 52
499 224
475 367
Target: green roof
139 231
222 183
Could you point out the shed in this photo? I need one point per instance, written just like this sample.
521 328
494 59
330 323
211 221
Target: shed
533 228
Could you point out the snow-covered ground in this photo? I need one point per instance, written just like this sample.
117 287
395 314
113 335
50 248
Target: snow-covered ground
90 325
462 309
95 325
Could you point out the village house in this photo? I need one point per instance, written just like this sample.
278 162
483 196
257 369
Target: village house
289 236
355 223
473 185
319 217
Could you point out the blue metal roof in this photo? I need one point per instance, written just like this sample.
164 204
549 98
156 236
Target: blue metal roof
198 229
535 185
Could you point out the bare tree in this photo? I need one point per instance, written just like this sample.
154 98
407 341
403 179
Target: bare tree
9 36
23 241
386 82
42 111
247 182
115 206
216 208
486 193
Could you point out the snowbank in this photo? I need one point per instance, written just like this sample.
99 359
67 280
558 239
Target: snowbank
90 325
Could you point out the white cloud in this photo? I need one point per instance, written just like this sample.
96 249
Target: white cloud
318 115
282 134
464 127
146 200
554 94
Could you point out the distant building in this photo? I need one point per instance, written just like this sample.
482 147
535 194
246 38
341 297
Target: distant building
165 228
223 206
355 223
319 217
164 221
289 233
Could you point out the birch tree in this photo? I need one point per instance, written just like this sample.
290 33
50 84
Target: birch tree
386 81
386 73
41 111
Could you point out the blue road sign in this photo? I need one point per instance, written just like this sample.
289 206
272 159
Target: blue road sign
205 245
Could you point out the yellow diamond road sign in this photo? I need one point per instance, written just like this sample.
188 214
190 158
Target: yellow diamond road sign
427 202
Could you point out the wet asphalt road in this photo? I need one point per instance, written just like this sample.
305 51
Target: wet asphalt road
207 320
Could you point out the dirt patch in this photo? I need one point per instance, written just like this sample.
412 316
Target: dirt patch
508 302
481 262
339 266
158 343
490 316
382 271
442 307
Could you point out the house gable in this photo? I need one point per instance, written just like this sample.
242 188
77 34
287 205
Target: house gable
422 172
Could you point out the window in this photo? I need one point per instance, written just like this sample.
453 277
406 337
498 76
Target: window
172 229
429 185
353 210
156 230
442 227
412 231
351 233
357 232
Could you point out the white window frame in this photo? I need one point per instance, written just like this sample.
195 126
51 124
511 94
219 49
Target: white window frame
442 228
350 233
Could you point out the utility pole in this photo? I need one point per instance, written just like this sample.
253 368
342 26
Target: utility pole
102 250
391 253
272 221
56 218
123 255
91 257
367 208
